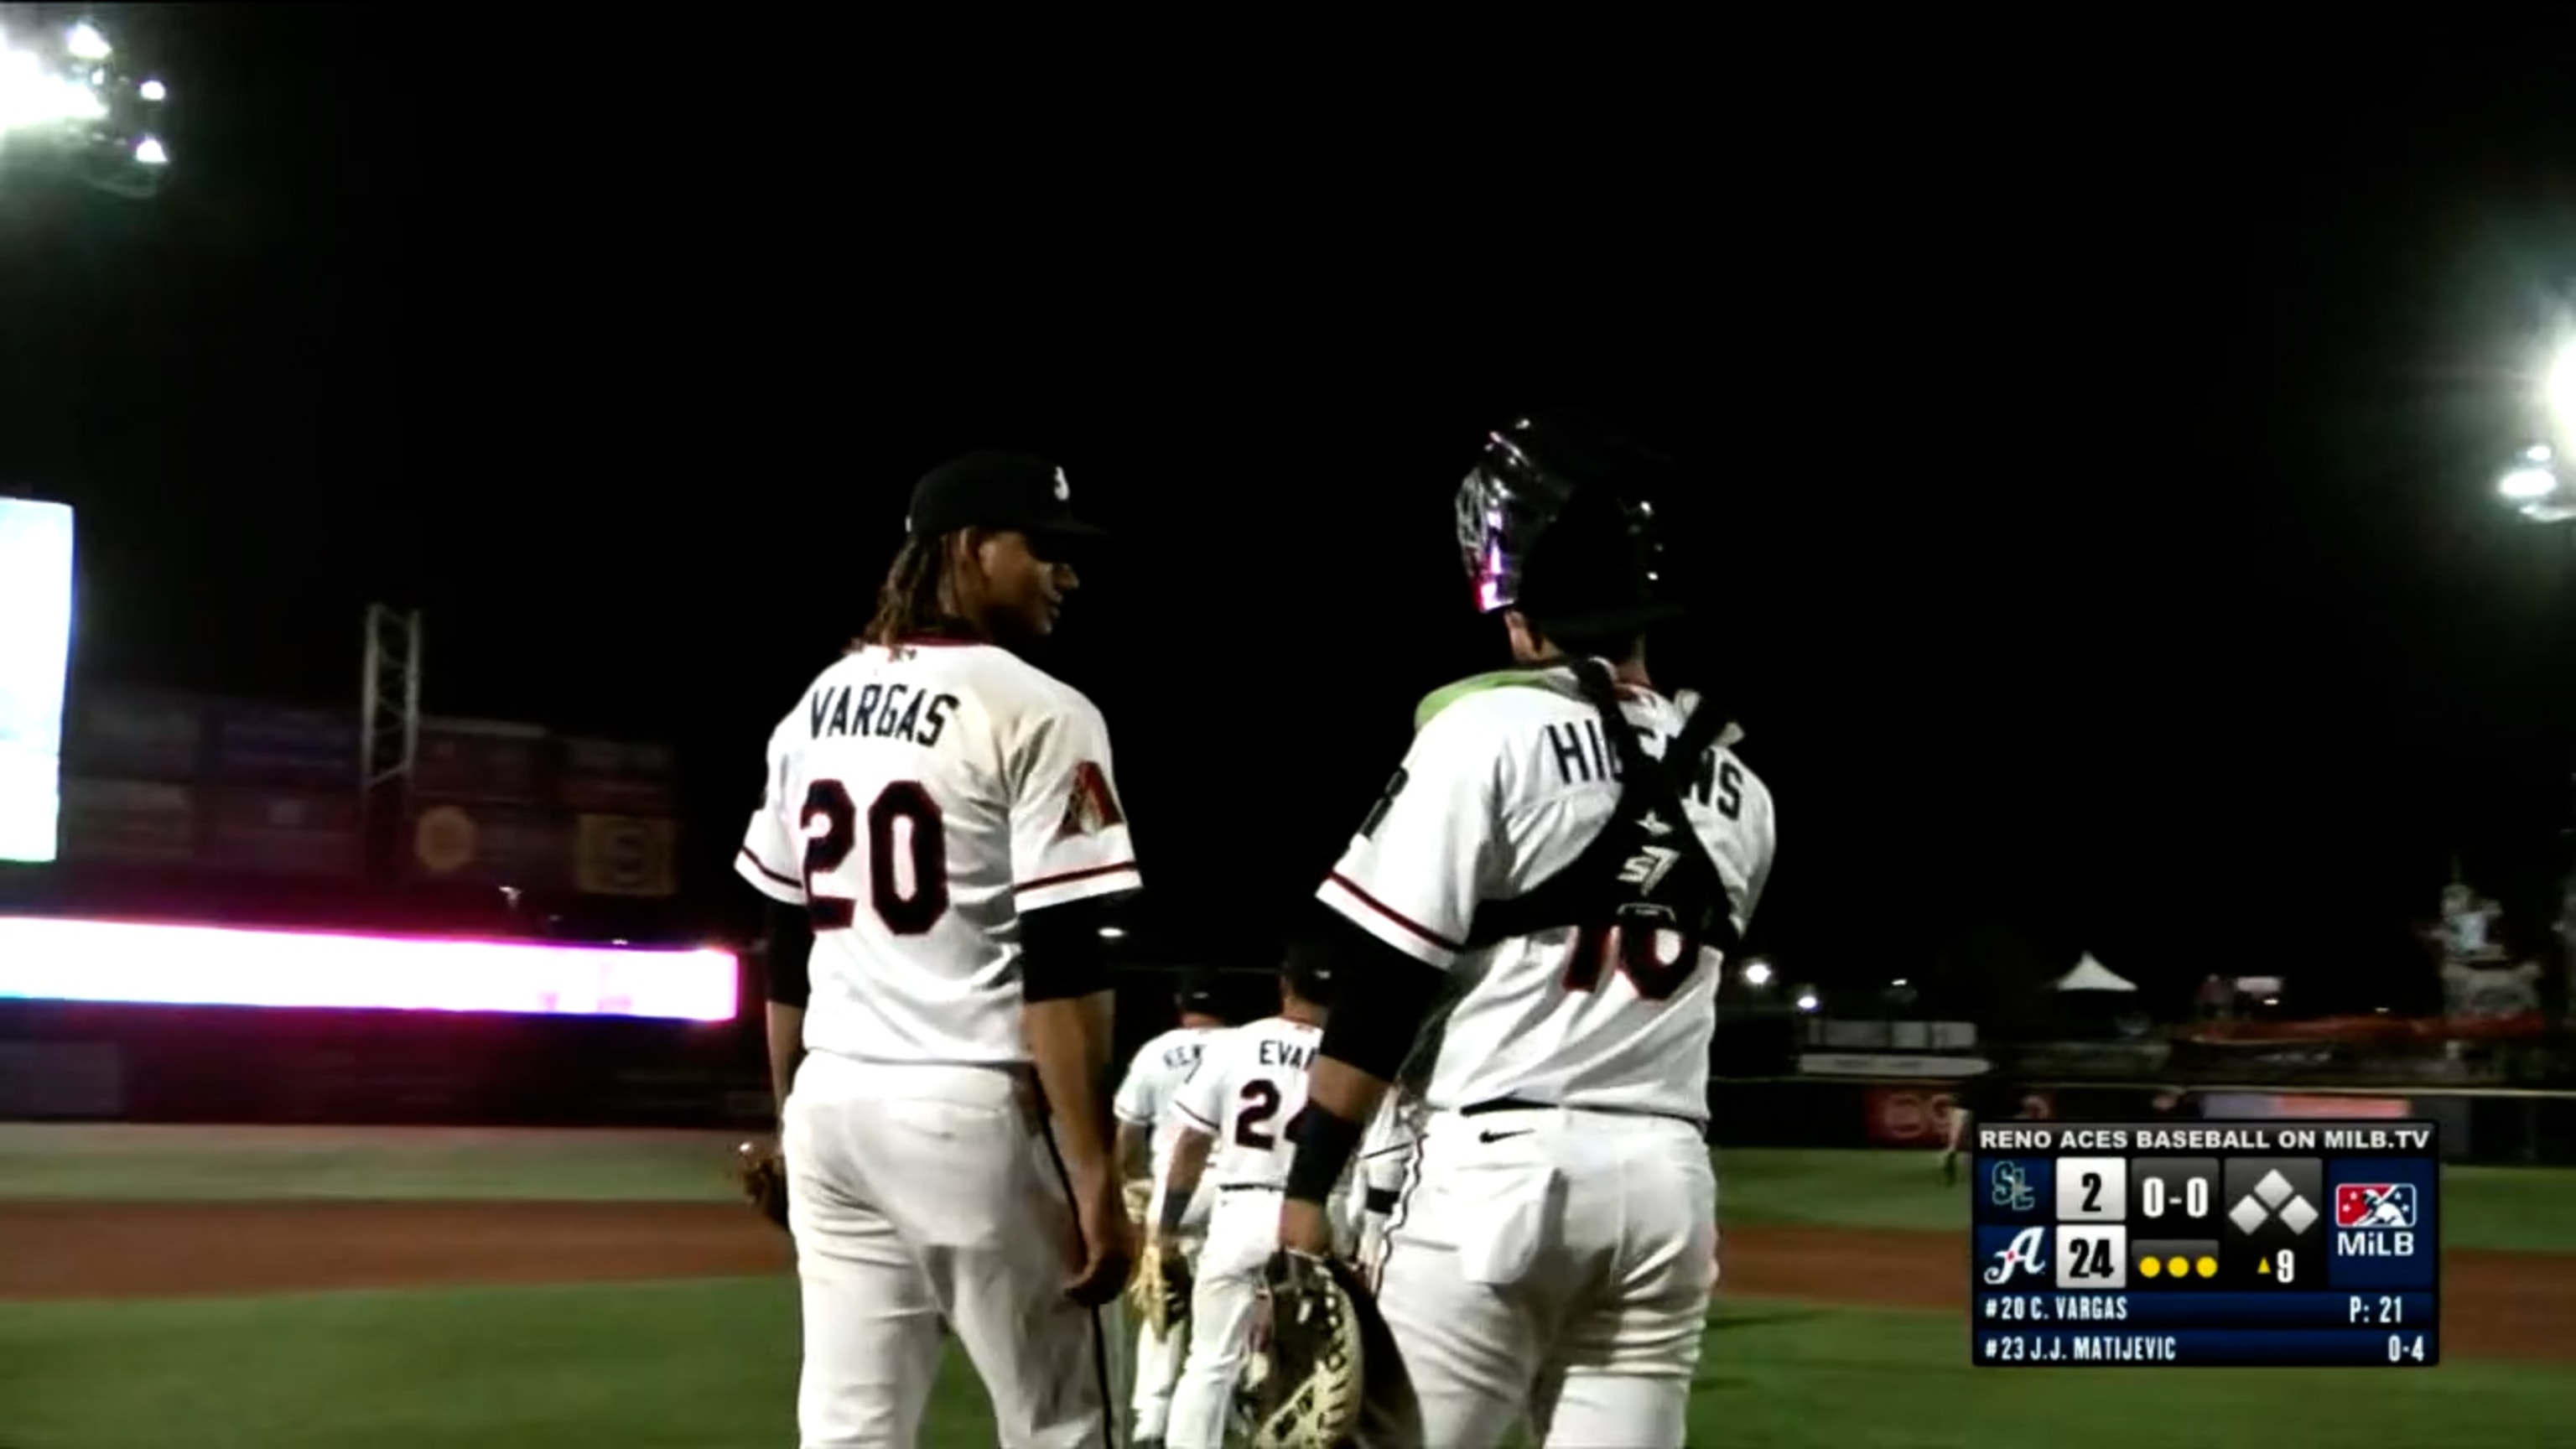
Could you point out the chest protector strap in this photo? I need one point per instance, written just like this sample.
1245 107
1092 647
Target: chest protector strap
1645 893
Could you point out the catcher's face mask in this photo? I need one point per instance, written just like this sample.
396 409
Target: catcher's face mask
1582 487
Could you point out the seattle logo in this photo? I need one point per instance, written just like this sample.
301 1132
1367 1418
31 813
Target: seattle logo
2007 1187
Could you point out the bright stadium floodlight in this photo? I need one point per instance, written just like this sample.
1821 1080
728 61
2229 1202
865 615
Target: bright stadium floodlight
1757 973
68 102
2533 488
2558 393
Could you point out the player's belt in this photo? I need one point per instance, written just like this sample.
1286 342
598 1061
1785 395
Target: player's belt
1518 1104
1251 1187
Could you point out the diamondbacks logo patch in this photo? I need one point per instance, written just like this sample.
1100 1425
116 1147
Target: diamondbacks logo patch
1089 807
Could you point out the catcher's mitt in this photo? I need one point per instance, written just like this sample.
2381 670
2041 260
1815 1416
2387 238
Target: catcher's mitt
1302 1388
1159 1294
762 1175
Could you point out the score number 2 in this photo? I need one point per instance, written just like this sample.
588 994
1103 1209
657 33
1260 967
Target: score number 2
906 909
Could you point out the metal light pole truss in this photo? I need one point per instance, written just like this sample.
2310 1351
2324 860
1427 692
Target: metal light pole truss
390 731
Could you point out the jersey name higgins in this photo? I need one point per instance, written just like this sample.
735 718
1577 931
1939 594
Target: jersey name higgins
894 711
1584 757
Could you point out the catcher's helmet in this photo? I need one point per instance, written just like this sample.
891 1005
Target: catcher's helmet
1557 520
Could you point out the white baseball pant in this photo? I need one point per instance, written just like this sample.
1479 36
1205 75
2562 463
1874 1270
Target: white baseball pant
1243 1232
1159 1360
923 1193
1551 1266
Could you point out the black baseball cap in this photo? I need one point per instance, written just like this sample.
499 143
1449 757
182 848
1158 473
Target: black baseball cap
996 488
1198 993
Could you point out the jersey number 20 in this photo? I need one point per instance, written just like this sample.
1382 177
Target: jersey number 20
906 912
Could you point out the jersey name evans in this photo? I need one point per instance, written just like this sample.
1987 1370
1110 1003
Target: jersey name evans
890 711
1277 1053
1584 757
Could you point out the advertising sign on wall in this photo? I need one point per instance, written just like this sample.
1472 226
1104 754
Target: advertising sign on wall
128 734
614 777
299 833
480 760
617 855
129 822
491 845
1919 1116
264 744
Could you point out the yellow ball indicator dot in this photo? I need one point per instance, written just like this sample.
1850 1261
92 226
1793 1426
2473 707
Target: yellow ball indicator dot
2207 1266
2179 1266
2149 1267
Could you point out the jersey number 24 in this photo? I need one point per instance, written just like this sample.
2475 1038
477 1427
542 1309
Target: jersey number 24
906 912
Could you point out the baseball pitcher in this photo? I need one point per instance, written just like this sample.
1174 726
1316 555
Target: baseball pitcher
1563 859
1238 1116
1147 1128
939 836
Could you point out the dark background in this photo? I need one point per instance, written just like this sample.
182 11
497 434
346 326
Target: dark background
2094 433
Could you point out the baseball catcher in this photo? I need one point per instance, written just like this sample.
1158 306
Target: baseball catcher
1566 857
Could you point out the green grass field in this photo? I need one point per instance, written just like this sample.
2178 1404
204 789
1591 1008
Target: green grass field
711 1364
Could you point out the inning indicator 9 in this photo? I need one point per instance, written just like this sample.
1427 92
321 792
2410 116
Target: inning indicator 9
2244 1244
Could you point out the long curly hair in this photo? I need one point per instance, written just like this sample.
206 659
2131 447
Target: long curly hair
918 597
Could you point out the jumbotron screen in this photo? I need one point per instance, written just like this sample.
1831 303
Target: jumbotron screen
35 655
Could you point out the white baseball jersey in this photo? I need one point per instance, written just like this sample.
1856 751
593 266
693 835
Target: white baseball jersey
1145 1095
919 800
1249 1085
1507 782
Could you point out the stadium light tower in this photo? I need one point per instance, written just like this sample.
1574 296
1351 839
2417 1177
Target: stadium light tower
389 734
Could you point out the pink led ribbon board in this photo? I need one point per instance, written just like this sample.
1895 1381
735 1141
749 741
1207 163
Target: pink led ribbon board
43 959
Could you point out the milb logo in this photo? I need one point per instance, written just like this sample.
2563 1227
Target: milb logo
2375 1219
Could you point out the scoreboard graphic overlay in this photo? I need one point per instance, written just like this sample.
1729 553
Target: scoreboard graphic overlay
2252 1244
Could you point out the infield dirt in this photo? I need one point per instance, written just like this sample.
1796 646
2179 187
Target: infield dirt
2504 1305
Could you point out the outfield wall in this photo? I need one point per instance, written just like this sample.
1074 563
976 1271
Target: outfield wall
65 1061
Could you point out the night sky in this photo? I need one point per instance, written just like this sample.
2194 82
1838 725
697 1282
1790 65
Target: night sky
2093 533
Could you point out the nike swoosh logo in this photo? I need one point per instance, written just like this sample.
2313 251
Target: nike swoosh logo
1490 1135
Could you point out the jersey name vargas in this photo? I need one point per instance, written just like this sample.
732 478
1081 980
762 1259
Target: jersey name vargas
895 711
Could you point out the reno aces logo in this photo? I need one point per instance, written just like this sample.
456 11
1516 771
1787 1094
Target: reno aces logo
2024 1254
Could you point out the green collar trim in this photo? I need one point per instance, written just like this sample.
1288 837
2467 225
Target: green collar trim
1449 694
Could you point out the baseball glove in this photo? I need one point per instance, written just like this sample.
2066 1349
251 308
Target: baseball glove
1159 1294
761 1173
1301 1388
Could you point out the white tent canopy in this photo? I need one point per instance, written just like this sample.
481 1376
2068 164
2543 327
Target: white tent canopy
2092 975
